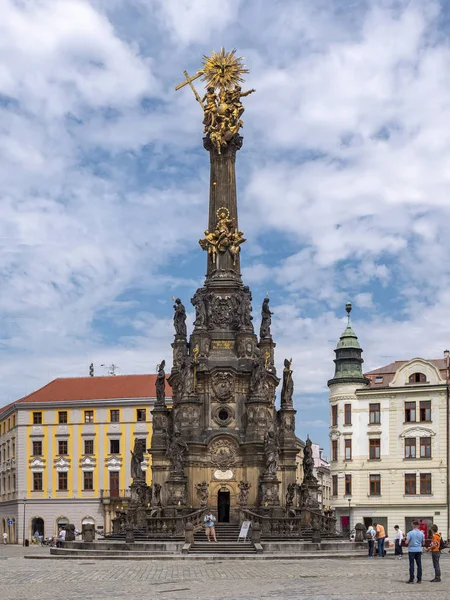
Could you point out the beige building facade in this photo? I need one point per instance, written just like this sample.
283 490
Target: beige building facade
388 438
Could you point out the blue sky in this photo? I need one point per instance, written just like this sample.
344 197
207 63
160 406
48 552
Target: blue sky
343 181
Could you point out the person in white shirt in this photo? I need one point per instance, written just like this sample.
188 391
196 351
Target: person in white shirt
370 535
398 539
5 538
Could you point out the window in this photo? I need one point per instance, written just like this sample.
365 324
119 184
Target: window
410 447
37 448
62 481
410 484
88 480
62 447
417 378
114 446
347 414
425 447
334 484
348 485
14 420
334 415
425 483
410 412
89 446
375 485
348 449
379 379
62 416
88 416
374 413
37 482
425 410
374 449
115 416
334 449
141 414
37 418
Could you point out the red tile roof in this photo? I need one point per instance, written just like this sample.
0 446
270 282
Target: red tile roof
94 388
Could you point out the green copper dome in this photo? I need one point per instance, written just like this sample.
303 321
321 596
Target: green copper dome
348 359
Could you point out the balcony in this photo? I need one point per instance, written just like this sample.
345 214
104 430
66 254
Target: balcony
115 493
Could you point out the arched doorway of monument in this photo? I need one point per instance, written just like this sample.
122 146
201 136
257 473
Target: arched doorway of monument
223 505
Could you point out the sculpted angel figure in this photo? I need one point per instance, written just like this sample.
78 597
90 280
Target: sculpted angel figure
179 318
209 243
161 383
235 96
237 238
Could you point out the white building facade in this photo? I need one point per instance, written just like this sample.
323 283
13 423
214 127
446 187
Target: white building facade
389 453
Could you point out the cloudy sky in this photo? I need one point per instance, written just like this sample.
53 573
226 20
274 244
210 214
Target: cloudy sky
343 181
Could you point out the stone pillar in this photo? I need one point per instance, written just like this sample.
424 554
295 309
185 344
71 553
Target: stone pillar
189 533
129 536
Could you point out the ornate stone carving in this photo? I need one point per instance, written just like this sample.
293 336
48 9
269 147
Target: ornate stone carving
223 454
187 417
161 384
266 319
288 384
223 385
287 421
137 458
290 494
245 348
259 416
187 376
244 488
271 454
308 463
179 352
226 237
202 493
160 422
179 319
244 309
222 311
258 381
269 493
223 415
156 496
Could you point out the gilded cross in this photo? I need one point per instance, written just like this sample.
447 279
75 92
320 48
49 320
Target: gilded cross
188 81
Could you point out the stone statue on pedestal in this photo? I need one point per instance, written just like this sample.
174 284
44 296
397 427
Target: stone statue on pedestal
266 319
202 493
308 463
244 487
176 450
179 319
161 384
271 454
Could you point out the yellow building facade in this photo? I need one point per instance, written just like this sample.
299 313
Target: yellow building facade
65 452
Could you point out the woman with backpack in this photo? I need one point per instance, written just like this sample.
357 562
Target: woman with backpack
435 549
370 536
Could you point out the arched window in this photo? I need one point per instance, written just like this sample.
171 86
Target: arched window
88 521
417 378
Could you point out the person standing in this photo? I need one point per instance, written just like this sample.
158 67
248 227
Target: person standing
398 539
380 537
5 538
435 549
210 519
415 541
370 535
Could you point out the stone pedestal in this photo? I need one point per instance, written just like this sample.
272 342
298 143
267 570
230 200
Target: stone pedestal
176 490
360 535
309 494
269 490
88 532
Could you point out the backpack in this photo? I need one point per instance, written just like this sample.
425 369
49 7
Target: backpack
442 544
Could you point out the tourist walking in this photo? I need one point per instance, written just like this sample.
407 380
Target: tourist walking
415 541
370 536
380 537
435 549
210 519
5 538
398 539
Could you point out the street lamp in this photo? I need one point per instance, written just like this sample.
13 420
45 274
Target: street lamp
23 536
447 365
349 517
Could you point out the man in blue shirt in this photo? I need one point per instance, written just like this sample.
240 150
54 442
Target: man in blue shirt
209 520
415 541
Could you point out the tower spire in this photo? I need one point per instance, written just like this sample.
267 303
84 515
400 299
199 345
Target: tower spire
348 359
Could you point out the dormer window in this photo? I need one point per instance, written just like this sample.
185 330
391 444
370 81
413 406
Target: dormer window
417 378
379 379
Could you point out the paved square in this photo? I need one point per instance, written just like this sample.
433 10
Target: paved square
318 579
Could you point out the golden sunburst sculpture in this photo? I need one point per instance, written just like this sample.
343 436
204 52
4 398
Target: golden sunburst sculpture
223 70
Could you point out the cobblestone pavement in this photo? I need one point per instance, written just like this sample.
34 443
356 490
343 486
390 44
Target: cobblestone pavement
318 579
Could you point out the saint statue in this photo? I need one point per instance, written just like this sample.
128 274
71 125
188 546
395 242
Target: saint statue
244 488
266 319
137 457
179 319
161 384
308 462
176 450
244 309
198 301
271 454
288 384
202 492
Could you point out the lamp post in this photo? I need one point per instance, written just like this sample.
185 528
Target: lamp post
23 534
349 518
447 431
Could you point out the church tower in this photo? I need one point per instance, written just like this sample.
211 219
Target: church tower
223 443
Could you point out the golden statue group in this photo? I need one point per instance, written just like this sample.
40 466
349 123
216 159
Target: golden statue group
222 110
